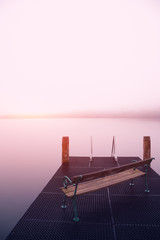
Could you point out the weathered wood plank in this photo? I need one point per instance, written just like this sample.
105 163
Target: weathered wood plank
102 173
103 179
100 183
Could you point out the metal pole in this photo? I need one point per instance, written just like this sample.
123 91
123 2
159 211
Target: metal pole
91 150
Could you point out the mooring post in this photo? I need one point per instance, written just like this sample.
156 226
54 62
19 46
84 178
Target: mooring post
146 147
113 147
65 150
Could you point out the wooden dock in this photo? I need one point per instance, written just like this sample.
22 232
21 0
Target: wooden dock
118 212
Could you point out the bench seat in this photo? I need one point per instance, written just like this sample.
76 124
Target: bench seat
99 183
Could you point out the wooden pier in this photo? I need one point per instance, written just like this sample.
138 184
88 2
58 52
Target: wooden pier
117 212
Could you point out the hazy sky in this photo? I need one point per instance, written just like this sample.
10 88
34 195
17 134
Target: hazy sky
82 56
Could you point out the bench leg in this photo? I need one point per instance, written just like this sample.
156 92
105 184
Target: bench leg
76 218
146 179
131 183
64 202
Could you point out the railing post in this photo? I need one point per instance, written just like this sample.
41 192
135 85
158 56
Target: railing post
91 155
146 147
65 150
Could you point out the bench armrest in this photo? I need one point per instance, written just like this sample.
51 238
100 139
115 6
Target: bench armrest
66 180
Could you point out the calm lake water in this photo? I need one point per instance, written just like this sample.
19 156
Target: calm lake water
30 153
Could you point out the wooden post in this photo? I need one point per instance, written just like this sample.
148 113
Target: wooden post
65 150
146 147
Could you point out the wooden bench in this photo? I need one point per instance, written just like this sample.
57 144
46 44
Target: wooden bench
94 181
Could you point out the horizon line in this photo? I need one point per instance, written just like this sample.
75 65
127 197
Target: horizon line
78 115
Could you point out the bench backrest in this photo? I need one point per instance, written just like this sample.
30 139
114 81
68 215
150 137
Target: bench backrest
103 173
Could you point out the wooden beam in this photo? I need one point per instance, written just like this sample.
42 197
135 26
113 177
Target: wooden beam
65 150
146 147
100 183
103 173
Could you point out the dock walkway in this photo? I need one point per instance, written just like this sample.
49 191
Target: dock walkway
119 212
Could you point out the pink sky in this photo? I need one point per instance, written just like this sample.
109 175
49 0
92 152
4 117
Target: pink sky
67 57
